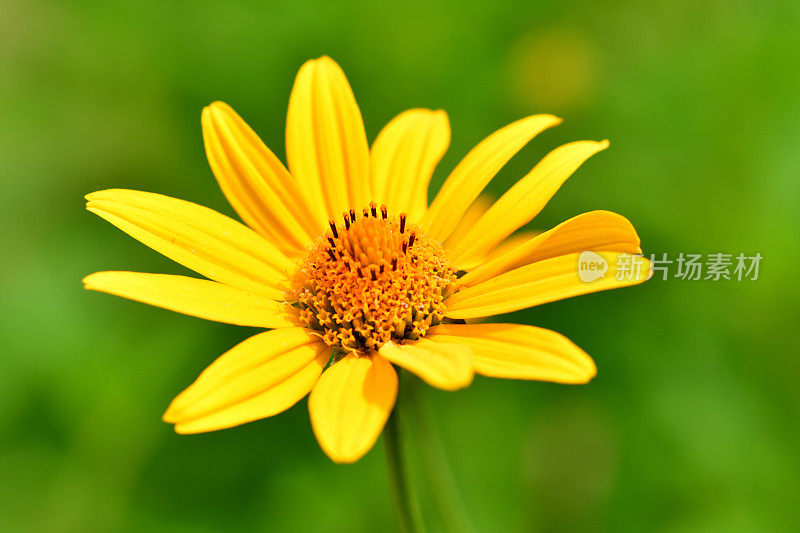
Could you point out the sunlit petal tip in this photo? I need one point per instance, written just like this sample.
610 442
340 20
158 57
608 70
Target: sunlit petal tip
591 372
207 118
170 417
87 280
551 120
323 61
103 194
216 110
444 119
586 371
218 104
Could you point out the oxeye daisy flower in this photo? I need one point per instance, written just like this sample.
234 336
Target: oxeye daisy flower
352 273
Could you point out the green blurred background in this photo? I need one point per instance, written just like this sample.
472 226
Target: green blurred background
692 421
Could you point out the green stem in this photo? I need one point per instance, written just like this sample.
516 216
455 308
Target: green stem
445 489
397 460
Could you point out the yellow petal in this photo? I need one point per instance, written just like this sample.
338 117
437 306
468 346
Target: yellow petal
403 158
523 201
439 365
476 170
518 352
198 238
326 144
255 182
196 297
509 243
541 282
596 230
350 405
473 213
259 377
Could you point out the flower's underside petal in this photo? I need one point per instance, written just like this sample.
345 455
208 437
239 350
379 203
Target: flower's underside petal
198 238
596 231
403 158
350 405
522 202
540 282
326 145
476 170
196 297
255 182
259 377
518 352
439 365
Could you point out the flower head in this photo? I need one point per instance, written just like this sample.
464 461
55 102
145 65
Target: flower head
352 273
372 279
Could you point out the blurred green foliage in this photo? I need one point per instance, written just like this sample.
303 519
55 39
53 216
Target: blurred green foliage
691 424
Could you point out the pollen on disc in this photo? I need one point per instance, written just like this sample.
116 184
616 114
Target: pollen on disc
371 279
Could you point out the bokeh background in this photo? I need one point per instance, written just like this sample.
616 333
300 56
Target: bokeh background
692 422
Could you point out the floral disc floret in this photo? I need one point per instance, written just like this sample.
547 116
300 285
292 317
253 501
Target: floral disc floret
371 279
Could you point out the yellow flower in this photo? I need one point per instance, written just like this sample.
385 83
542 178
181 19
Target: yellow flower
352 272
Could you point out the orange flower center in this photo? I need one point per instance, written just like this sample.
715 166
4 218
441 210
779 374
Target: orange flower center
372 279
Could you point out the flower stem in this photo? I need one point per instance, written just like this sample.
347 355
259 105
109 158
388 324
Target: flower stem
445 491
397 459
